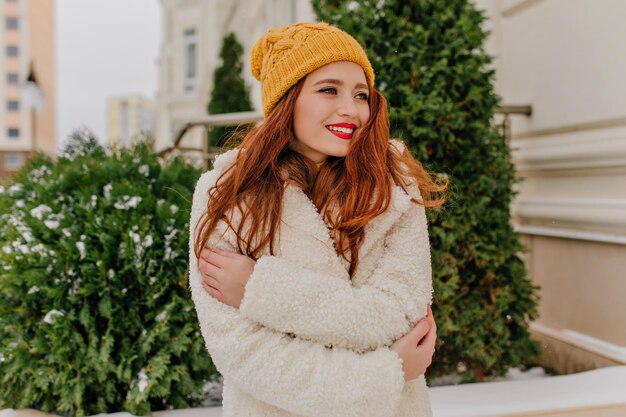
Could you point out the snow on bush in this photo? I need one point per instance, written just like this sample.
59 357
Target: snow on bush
95 314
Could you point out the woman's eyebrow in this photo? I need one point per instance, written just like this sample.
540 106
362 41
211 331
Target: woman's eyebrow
339 82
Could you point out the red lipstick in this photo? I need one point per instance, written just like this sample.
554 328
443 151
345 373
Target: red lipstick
348 125
342 135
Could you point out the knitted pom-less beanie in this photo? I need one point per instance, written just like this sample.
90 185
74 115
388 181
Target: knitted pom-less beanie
283 56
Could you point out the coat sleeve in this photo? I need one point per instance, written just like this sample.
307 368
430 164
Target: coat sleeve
285 296
299 376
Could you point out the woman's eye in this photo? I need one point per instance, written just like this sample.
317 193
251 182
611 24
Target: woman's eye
331 90
363 96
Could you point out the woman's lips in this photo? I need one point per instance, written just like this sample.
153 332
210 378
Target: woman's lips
341 135
342 130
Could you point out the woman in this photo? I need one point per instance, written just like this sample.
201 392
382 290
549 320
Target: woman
310 265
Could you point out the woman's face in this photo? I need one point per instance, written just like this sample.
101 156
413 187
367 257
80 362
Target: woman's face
331 107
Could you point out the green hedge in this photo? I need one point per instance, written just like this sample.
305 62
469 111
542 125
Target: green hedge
430 63
230 93
95 313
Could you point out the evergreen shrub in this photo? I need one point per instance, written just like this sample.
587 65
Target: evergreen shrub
430 64
230 93
95 313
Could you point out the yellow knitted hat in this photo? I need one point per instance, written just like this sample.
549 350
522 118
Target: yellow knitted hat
283 56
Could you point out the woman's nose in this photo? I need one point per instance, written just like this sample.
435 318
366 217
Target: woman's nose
348 107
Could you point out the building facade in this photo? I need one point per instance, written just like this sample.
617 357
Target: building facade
193 31
565 58
27 86
130 118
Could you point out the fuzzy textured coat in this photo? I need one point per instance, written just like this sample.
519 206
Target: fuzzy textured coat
306 340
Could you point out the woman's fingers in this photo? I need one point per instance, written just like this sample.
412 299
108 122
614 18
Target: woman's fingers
208 269
213 292
428 342
213 257
226 253
418 332
212 281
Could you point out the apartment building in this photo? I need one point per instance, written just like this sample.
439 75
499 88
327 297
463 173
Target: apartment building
130 118
27 85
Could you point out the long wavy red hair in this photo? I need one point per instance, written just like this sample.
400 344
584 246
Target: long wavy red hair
347 191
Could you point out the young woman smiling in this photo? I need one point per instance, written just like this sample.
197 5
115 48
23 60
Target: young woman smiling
309 254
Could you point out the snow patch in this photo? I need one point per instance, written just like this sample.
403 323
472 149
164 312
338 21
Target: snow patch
144 170
169 238
127 202
51 224
39 211
40 249
14 189
107 190
135 237
24 249
82 249
52 315
143 380
38 173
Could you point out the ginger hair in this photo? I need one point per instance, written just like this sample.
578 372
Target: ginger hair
348 191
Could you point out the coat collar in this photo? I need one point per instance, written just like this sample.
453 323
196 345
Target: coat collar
300 213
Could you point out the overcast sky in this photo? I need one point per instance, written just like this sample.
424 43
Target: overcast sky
104 48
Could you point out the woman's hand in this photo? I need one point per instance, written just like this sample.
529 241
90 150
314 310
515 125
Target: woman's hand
416 348
225 274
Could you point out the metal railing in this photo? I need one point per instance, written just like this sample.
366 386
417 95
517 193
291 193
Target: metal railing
506 111
207 153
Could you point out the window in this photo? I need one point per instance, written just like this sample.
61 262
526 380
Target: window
11 23
13 161
124 124
190 41
191 60
13 51
12 78
13 133
13 105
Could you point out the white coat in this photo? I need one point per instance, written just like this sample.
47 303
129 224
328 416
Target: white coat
307 341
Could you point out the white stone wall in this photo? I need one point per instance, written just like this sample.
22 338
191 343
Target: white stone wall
567 59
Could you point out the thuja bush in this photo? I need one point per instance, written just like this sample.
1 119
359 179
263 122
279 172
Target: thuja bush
95 314
430 64
230 93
